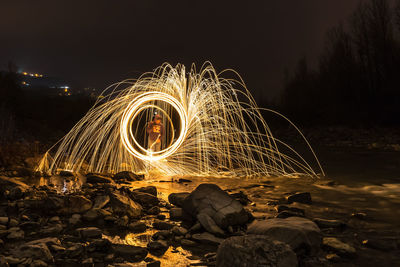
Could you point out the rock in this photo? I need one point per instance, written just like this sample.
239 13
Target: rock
332 257
241 197
51 229
101 201
77 204
144 199
91 215
13 260
129 253
48 241
122 205
16 192
154 210
87 262
216 203
286 214
99 245
161 225
152 190
180 231
380 244
137 227
300 233
15 233
153 263
38 263
157 248
323 223
3 220
208 223
129 176
189 243
65 173
207 238
75 219
163 234
35 251
176 214
281 208
254 250
335 245
98 179
303 197
75 251
177 198
89 232
359 215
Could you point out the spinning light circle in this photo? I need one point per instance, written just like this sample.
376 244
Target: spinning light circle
222 130
131 112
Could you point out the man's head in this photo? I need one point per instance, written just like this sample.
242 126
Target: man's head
157 119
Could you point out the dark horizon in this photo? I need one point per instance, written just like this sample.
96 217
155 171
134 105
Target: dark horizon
96 44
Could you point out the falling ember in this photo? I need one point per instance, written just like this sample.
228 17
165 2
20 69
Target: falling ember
213 128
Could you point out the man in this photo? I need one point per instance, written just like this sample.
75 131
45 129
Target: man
155 130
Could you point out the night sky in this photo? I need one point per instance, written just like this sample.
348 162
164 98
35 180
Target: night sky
96 43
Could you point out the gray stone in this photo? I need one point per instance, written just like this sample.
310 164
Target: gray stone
123 205
303 197
207 238
216 203
299 233
254 250
341 248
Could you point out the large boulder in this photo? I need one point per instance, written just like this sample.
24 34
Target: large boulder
177 198
301 234
123 205
254 250
129 253
217 204
98 179
77 204
129 176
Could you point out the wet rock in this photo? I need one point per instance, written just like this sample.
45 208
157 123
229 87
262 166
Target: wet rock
359 215
87 262
161 225
89 232
216 203
254 250
75 251
241 197
154 210
100 201
152 190
98 179
51 229
129 176
207 238
129 253
15 233
122 205
160 216
29 226
208 223
33 251
144 199
157 248
16 192
189 243
177 198
137 227
77 204
324 223
153 263
3 220
99 245
65 173
304 197
287 214
380 244
176 214
281 208
180 231
301 234
75 219
341 248
38 263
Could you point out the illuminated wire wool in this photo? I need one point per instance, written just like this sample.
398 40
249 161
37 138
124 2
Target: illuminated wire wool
214 128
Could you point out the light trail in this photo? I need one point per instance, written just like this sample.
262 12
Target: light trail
221 131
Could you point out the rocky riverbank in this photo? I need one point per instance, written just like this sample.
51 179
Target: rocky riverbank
124 220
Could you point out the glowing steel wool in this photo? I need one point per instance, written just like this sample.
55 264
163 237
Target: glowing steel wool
213 128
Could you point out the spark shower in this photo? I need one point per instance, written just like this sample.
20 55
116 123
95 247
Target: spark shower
213 128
